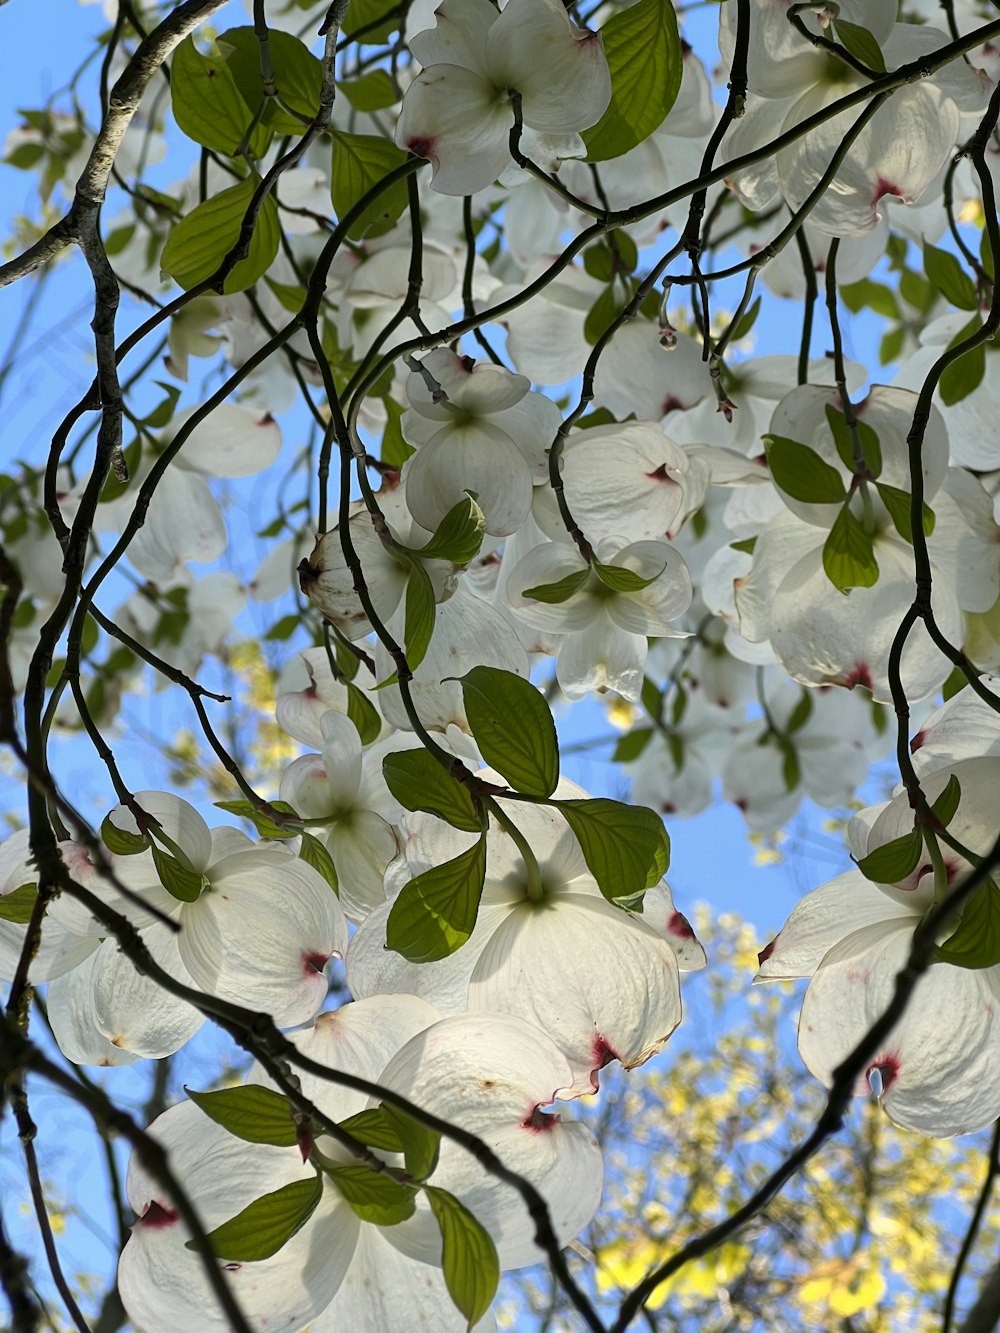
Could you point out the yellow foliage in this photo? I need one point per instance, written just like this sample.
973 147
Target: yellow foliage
844 1287
621 713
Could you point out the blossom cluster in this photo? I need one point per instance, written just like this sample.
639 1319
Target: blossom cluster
541 478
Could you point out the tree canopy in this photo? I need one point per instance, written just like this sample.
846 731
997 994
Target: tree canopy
456 372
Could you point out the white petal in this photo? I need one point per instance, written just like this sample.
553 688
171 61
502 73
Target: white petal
74 1024
133 1011
263 934
384 1291
561 71
358 1038
454 117
479 458
180 821
234 441
939 1066
823 918
540 965
514 1069
468 632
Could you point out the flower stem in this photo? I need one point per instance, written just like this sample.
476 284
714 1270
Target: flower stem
534 888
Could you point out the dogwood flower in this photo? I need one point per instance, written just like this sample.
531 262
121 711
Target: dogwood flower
528 956
480 430
938 1070
402 1043
604 630
457 111
262 926
345 787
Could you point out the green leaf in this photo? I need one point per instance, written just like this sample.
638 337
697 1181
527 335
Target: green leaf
871 449
626 847
371 92
848 554
876 296
363 714
603 313
620 579
375 1196
199 243
292 298
394 451
861 44
113 489
956 681
267 1224
893 861
116 241
316 854
748 320
251 1113
418 618
676 746
207 104
459 535
898 504
891 345
746 545
513 728
604 259
946 804
284 628
120 842
18 906
266 827
962 376
345 663
645 57
916 291
976 942
791 770
468 1255
554 593
651 698
164 410
599 417
25 156
365 13
946 273
183 884
801 473
374 1129
986 253
360 163
419 782
631 745
421 1145
298 74
435 913
801 713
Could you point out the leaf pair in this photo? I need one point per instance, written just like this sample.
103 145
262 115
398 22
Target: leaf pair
260 1115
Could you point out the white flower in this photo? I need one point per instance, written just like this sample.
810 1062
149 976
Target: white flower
265 924
457 111
481 431
604 631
